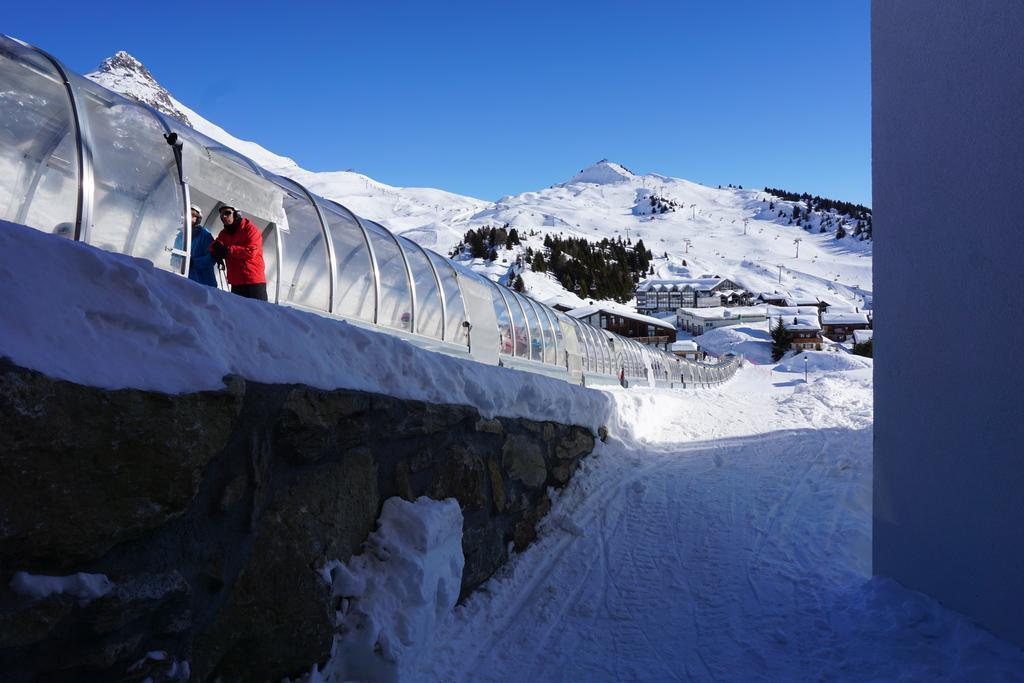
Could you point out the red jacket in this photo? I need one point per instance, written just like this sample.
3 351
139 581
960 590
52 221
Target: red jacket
245 253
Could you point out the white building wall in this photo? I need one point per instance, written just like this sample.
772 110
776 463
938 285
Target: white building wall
948 167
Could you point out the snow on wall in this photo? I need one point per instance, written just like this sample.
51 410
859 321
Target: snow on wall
395 592
948 89
81 314
85 587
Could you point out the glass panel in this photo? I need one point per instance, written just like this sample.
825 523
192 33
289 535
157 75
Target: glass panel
270 263
38 149
597 358
584 345
638 360
548 352
355 295
138 206
395 294
536 336
606 350
455 308
520 330
428 298
506 335
305 274
560 352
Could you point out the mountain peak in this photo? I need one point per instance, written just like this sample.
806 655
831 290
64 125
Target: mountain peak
123 61
126 75
603 172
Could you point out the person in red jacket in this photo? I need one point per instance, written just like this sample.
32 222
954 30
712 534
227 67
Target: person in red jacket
240 246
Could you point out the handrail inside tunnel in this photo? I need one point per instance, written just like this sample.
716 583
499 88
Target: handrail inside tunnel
326 259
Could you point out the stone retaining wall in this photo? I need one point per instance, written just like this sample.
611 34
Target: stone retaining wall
211 513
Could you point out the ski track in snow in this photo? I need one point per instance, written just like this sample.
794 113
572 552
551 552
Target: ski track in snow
730 542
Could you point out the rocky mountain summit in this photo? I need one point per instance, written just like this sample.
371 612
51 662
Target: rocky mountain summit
126 75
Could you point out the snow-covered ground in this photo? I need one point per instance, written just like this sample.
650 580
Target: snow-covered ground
722 534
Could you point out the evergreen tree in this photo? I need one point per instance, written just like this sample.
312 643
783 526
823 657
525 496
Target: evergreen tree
782 339
864 349
517 283
538 265
493 255
840 232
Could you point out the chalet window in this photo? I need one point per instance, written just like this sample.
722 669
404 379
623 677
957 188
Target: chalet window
604 321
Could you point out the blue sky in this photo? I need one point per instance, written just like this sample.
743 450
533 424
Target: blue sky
489 99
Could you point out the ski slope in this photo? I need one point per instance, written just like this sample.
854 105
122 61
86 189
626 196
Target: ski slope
728 537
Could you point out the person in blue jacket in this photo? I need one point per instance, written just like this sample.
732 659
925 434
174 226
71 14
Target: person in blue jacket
201 266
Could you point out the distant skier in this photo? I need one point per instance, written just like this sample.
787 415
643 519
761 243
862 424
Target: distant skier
240 246
200 267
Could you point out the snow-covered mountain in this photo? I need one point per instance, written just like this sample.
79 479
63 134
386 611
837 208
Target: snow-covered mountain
692 229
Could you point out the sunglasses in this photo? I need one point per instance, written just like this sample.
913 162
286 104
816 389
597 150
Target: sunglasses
226 212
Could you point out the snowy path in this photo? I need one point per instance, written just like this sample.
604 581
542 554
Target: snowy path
741 556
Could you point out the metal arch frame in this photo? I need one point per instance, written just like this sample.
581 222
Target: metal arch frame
628 357
83 140
374 268
588 331
511 320
556 330
553 325
139 212
638 356
584 340
408 275
468 315
595 346
526 318
608 350
328 240
542 318
37 176
186 230
539 325
437 282
444 297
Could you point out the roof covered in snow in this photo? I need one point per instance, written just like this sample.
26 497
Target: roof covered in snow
678 285
862 336
844 318
725 312
584 311
802 323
